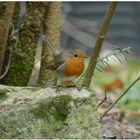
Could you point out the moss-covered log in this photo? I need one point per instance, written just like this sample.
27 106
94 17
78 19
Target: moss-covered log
44 113
24 50
51 28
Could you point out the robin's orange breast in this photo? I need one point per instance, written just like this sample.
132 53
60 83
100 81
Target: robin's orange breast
74 67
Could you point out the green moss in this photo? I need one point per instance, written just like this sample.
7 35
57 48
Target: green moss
83 121
13 128
56 116
19 70
3 94
46 118
54 111
57 107
25 48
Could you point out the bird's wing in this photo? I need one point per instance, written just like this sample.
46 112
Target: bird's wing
61 68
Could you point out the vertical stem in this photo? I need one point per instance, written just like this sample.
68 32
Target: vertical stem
98 44
51 28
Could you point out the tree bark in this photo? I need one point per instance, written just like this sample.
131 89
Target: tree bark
5 27
2 9
25 48
51 28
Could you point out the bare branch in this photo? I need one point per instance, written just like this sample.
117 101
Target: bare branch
138 78
98 44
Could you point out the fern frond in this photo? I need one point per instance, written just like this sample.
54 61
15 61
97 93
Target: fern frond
117 53
104 61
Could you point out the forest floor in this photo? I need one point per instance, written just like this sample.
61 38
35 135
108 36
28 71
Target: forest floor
116 126
123 120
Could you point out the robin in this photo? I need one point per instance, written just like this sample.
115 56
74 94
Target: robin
68 68
71 68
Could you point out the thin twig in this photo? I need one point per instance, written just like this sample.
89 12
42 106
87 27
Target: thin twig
105 97
98 45
138 78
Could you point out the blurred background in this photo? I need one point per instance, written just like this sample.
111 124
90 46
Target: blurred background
82 22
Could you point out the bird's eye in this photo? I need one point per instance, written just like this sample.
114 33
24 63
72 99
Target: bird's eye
75 55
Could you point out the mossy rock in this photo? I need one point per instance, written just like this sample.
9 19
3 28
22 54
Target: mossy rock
44 113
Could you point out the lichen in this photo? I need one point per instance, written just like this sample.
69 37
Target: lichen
83 121
3 93
44 113
58 107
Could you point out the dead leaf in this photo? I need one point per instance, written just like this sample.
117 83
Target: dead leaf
116 84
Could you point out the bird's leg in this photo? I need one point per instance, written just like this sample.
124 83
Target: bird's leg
62 84
71 84
75 85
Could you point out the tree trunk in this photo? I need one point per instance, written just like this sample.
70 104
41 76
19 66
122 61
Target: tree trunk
2 9
5 24
51 28
25 48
